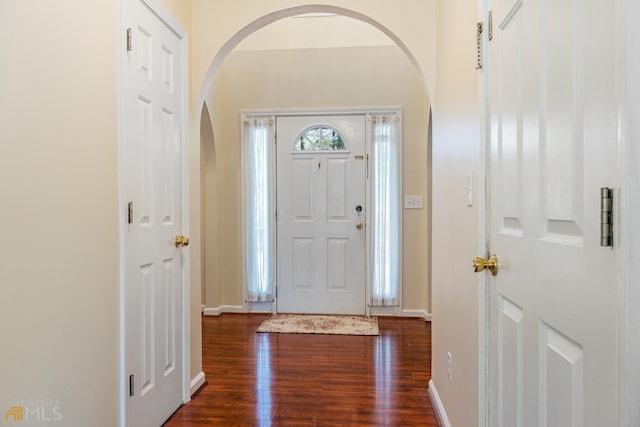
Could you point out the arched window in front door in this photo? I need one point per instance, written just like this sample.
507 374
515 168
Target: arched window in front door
319 138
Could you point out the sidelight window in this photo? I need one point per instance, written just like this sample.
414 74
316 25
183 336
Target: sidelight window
259 233
386 152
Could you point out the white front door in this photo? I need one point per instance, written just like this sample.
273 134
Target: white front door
552 141
321 215
152 175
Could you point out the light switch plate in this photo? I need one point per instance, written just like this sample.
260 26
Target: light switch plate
413 202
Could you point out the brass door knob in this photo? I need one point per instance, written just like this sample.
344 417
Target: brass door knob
359 225
481 264
181 241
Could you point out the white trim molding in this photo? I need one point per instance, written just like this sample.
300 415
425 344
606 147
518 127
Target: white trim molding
438 407
417 313
197 382
217 311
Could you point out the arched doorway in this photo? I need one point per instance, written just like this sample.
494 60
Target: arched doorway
230 198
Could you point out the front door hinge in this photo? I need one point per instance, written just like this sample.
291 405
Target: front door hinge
606 216
131 385
479 28
129 40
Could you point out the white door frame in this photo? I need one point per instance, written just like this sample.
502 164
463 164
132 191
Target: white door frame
182 62
626 205
248 114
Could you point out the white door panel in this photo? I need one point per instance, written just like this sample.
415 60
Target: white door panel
321 253
553 359
152 184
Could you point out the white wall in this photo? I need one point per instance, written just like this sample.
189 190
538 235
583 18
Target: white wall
214 37
455 288
59 292
59 280
300 78
313 32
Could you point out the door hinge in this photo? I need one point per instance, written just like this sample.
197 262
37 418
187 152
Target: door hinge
479 28
129 40
131 385
490 19
130 213
606 216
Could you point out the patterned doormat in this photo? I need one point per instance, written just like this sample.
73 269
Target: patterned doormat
319 324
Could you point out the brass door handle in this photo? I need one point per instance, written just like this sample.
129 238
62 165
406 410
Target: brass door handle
481 264
359 225
181 241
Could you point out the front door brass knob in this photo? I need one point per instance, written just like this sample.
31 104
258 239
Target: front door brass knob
181 241
481 264
359 225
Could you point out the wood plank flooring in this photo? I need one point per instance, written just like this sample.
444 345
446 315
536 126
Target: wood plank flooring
311 380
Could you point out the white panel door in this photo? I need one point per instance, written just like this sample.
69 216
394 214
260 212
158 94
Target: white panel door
552 141
152 184
321 251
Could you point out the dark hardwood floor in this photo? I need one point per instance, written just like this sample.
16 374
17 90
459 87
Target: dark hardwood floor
311 380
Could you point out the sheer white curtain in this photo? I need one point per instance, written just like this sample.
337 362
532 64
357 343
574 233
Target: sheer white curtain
259 233
386 152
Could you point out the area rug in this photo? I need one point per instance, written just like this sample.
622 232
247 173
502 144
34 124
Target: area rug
319 324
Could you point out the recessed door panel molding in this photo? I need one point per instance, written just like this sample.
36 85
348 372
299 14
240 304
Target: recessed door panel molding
562 122
302 196
561 379
147 327
510 127
337 268
145 52
167 68
504 11
145 120
337 176
170 284
168 175
510 363
303 263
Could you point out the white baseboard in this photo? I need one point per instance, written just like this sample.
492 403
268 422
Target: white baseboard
197 382
438 407
217 311
417 313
